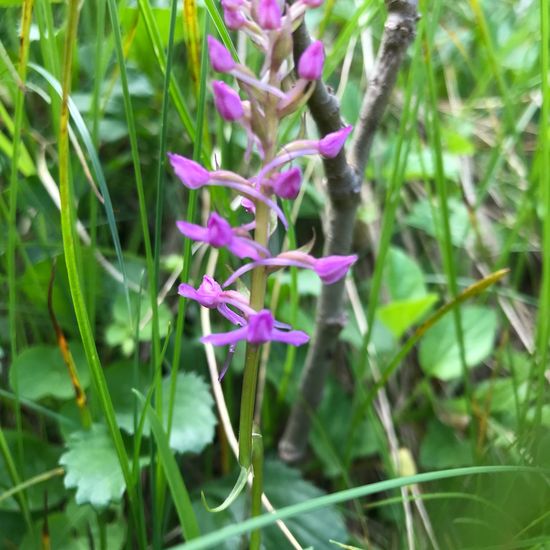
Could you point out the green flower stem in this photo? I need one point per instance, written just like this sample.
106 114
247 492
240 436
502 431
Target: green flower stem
258 466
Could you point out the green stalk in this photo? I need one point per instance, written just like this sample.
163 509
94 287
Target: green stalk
26 18
160 484
258 467
543 322
69 247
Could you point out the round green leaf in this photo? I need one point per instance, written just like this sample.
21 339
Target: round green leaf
439 351
40 372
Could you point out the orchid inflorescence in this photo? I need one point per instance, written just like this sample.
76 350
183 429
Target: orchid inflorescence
269 25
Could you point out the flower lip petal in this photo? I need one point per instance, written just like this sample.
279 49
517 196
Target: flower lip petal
191 173
225 338
332 143
260 327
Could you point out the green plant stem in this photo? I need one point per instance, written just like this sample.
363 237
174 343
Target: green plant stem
258 467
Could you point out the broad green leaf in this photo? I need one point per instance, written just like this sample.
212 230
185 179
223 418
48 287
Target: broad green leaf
442 448
283 486
401 315
40 372
92 467
439 350
500 394
403 276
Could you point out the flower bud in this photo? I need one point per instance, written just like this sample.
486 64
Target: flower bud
227 101
310 66
332 268
332 144
269 14
287 184
234 19
191 173
220 57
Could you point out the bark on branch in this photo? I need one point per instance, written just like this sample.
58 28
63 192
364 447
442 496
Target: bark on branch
343 181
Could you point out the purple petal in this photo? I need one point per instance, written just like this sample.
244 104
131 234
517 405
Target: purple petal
332 143
187 291
191 173
220 233
332 268
192 231
287 184
225 338
260 327
227 101
246 248
220 57
231 316
293 337
310 66
269 14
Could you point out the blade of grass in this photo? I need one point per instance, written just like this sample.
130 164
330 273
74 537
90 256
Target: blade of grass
543 321
69 247
180 496
225 533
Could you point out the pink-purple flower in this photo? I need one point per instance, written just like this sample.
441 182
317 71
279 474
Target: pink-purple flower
259 330
227 101
220 57
219 233
332 143
310 65
269 14
287 184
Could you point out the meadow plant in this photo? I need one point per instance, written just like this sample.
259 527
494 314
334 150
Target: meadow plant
268 24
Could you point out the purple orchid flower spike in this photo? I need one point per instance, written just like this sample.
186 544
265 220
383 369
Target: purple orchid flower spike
310 66
227 101
219 233
330 269
195 176
259 330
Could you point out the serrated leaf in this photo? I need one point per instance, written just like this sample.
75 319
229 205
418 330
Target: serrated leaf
401 315
92 467
40 372
439 353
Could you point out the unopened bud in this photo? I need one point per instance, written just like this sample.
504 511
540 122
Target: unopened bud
310 66
227 101
332 144
269 14
220 57
287 184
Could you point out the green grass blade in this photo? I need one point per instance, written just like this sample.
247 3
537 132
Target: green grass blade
69 246
86 138
182 501
225 533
